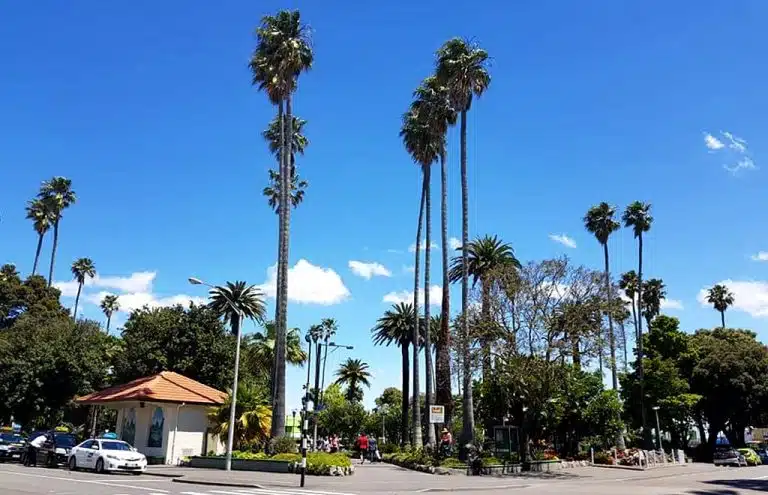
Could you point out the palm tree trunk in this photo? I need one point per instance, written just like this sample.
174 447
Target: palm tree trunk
416 412
77 301
109 320
624 345
634 317
442 352
468 430
575 350
611 336
53 250
37 252
640 371
278 414
722 318
485 311
278 285
428 378
406 395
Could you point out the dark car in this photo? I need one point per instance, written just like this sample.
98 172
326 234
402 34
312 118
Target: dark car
56 452
763 453
12 447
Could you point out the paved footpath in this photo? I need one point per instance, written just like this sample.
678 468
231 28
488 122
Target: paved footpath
697 479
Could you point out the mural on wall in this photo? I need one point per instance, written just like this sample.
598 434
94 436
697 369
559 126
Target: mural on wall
155 438
129 426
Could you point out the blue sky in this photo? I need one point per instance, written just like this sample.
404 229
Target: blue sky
148 108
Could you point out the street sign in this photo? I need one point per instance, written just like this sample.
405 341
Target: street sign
437 414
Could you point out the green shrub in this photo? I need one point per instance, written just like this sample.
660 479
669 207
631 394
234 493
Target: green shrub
603 458
286 457
389 448
239 454
452 462
284 445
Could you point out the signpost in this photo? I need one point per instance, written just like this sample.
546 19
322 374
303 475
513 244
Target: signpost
437 414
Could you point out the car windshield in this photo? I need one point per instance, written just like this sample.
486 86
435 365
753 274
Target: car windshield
11 438
115 446
65 440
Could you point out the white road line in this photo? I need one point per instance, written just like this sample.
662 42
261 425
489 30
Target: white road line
154 491
298 491
194 493
760 478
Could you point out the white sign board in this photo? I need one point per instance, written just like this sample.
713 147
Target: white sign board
437 414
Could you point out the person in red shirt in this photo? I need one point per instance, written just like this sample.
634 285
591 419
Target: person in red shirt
362 444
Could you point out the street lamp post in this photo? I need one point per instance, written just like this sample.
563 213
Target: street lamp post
307 407
319 392
658 428
233 401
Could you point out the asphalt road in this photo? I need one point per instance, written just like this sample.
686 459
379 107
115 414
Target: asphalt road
689 480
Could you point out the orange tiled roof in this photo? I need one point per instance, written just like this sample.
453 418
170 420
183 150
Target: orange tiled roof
166 386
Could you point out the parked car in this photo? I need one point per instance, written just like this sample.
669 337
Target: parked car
750 456
729 457
56 452
12 446
763 453
106 455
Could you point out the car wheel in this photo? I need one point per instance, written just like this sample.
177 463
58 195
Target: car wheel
50 461
72 464
136 473
100 466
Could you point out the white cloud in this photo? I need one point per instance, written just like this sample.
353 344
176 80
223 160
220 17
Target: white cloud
733 149
136 282
435 296
712 142
368 270
409 269
135 300
422 246
564 240
454 243
308 284
749 296
671 304
761 256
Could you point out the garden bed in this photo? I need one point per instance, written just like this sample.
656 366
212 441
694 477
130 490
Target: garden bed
318 463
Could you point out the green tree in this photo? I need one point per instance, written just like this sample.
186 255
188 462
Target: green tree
282 53
341 416
298 186
272 191
485 256
353 373
109 305
395 327
236 302
637 216
32 296
58 195
462 68
40 214
253 416
653 293
191 341
600 223
82 269
721 298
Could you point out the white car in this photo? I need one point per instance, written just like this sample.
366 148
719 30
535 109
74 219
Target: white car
103 455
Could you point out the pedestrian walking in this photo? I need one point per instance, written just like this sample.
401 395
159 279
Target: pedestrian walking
362 444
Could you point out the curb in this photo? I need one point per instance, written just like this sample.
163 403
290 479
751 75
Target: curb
233 484
162 475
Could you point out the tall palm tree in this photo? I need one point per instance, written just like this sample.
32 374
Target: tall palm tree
421 144
253 416
653 292
353 373
462 68
721 298
432 103
282 53
396 325
58 195
329 328
628 283
109 305
638 217
260 349
600 223
82 269
40 214
485 255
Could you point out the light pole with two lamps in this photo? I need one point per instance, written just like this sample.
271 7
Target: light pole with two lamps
233 401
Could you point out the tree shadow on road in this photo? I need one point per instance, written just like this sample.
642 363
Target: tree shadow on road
724 491
756 485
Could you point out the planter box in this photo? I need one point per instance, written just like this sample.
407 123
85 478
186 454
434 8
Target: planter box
265 465
545 466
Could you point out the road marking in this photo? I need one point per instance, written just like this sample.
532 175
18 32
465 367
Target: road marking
298 491
154 491
760 478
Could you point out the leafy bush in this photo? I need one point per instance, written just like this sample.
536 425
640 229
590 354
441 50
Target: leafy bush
389 448
286 457
238 454
283 445
411 458
452 462
603 458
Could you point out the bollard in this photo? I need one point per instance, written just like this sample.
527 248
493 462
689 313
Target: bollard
592 454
